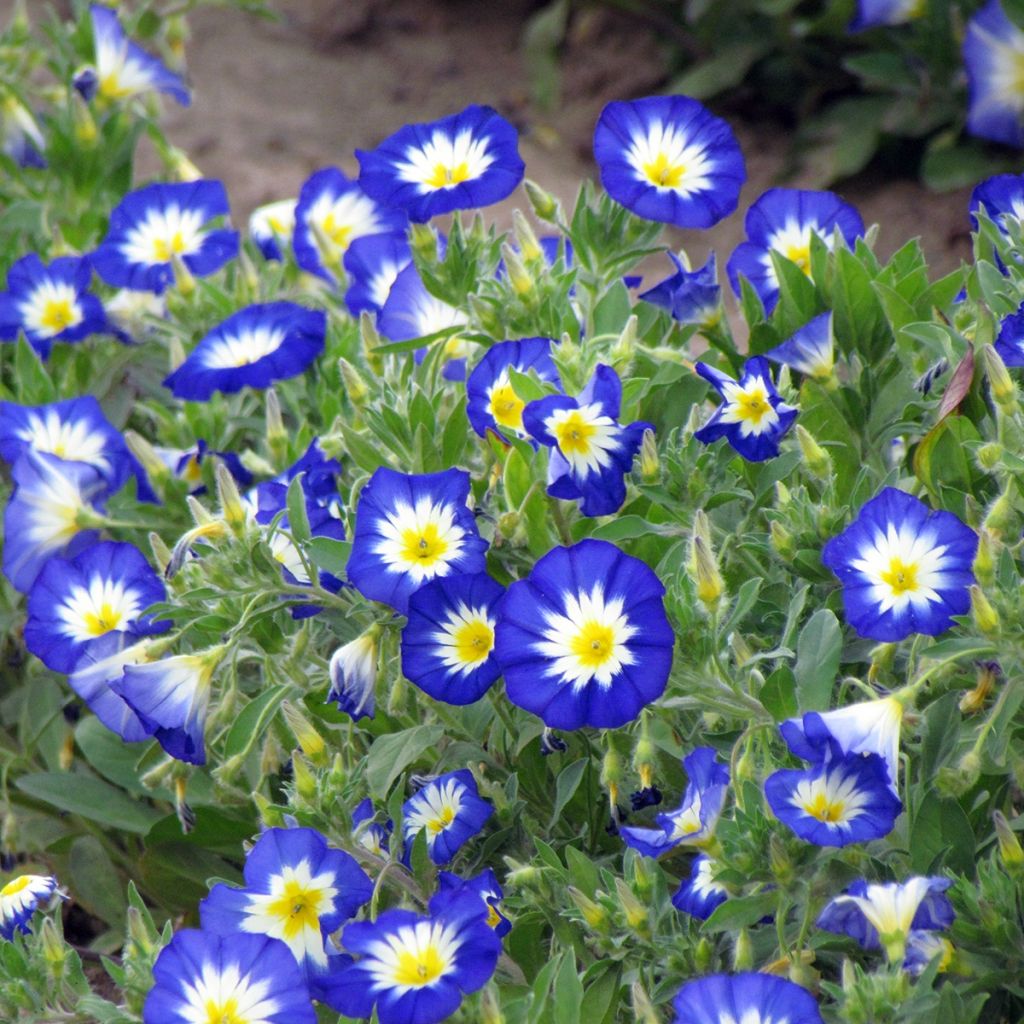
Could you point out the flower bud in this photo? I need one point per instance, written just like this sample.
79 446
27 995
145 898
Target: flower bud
519 277
611 773
1010 851
783 496
1000 517
277 436
781 539
1004 391
974 700
703 954
988 455
704 566
643 1010
156 469
986 618
817 460
423 241
544 204
304 779
650 464
633 910
985 560
621 354
352 380
84 123
643 878
311 742
183 278
643 760
161 552
529 247
593 913
231 506
743 951
521 875
55 949
270 815
490 1007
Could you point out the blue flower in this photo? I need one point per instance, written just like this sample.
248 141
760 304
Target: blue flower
411 529
353 674
297 889
245 979
883 915
667 158
415 970
186 464
320 476
904 568
875 13
20 137
332 212
450 809
460 162
271 227
993 54
171 697
693 822
253 348
1010 342
700 895
94 674
691 297
837 802
371 836
592 451
752 417
810 350
48 514
492 402
922 948
20 898
100 591
783 221
747 998
485 885
50 302
373 264
448 642
155 225
131 314
584 640
1001 197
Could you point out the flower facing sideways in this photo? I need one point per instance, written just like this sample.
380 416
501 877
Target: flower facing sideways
20 898
810 350
700 895
689 296
993 58
450 810
353 672
271 227
747 998
485 885
373 264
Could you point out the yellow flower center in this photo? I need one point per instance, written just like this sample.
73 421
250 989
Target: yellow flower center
110 88
15 886
824 809
423 546
163 248
507 407
103 621
337 233
473 641
442 176
59 314
664 172
420 968
493 917
593 644
753 405
900 576
801 256
225 1012
297 907
442 821
573 434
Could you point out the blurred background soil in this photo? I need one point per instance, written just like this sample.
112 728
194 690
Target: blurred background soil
274 101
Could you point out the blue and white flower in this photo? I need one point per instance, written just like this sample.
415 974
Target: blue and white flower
74 602
187 464
367 832
811 349
876 13
373 264
159 224
332 212
451 811
584 640
783 221
1001 197
689 296
747 998
415 970
1010 341
922 948
461 162
700 895
591 451
20 898
20 137
123 69
50 302
353 673
752 417
669 159
53 511
319 476
842 800
411 529
904 568
993 57
241 979
492 402
485 886
448 642
882 915
271 227
131 315
97 670
254 347
297 889
693 822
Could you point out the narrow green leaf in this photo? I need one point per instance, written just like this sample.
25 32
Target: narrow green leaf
91 798
817 660
390 755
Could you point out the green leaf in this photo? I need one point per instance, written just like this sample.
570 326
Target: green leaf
298 521
567 784
330 555
252 721
613 310
941 836
741 912
568 992
95 881
390 755
817 660
91 798
727 68
778 695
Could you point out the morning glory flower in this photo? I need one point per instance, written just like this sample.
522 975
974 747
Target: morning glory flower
904 568
810 350
20 898
690 296
20 137
373 264
485 885
271 227
1010 341
254 347
156 225
319 476
783 221
411 529
993 56
353 673
752 417
450 809
1001 197
592 452
414 970
53 504
747 998
669 159
461 162
100 666
371 836
100 591
297 889
874 13
584 640
171 697
922 948
883 915
492 403
842 800
241 979
448 642
700 895
693 822
332 212
50 302
123 69
186 464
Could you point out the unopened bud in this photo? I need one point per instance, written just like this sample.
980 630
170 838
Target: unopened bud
157 471
779 859
161 552
519 277
269 813
1000 517
521 875
490 1007
643 877
544 204
633 910
710 585
183 278
593 913
277 436
84 123
650 464
1010 852
703 954
55 949
352 380
369 339
529 247
986 618
304 779
988 455
175 353
311 742
140 935
817 460
781 539
643 760
985 560
974 699
611 773
231 506
423 242
621 354
782 495
743 951
66 757
643 1009
1000 383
